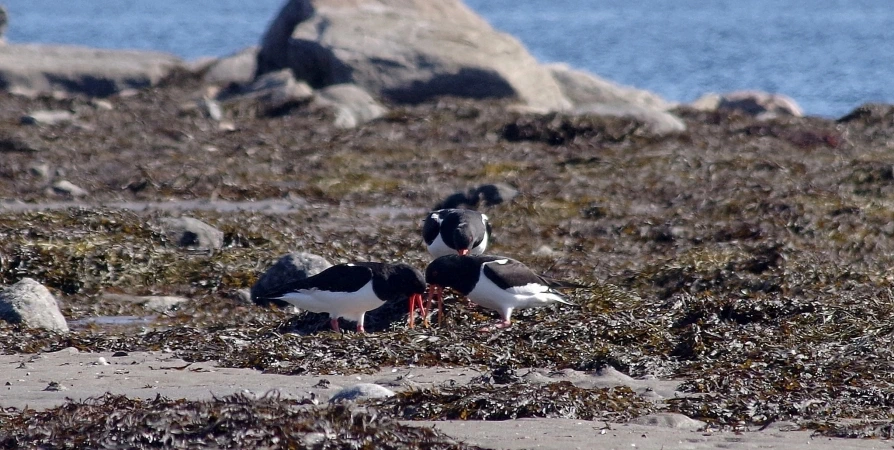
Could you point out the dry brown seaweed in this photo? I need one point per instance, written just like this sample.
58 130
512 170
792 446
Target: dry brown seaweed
236 421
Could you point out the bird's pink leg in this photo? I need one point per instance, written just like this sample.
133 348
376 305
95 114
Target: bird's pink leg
415 299
506 323
334 323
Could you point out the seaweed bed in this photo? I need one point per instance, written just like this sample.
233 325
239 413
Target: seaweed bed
750 259
235 421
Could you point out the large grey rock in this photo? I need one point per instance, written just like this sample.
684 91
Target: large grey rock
593 95
282 276
239 68
190 232
352 105
31 304
37 68
361 391
763 105
405 51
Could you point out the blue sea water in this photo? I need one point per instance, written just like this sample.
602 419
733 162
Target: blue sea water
829 55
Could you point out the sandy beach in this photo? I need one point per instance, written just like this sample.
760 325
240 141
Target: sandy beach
46 380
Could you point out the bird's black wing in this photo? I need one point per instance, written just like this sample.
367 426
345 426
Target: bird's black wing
338 278
513 273
508 273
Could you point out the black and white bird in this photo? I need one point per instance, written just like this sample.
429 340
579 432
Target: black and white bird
350 290
456 231
495 282
452 231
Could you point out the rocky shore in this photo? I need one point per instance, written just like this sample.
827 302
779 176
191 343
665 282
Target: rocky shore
737 253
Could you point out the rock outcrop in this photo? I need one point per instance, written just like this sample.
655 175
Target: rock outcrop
405 51
590 94
239 68
35 68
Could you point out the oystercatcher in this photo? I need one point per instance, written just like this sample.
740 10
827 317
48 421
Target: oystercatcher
350 290
456 231
495 282
452 231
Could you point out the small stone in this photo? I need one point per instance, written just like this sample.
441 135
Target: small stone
102 361
47 117
119 354
669 420
65 187
361 391
55 386
211 109
102 104
190 232
41 170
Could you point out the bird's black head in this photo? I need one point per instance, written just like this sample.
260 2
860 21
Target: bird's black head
454 271
408 279
462 238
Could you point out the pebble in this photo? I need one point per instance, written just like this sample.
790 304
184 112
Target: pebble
47 117
66 187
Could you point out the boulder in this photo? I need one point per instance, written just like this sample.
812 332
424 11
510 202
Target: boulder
273 91
583 88
352 105
590 94
190 232
762 105
38 68
4 21
282 276
405 51
31 304
238 68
